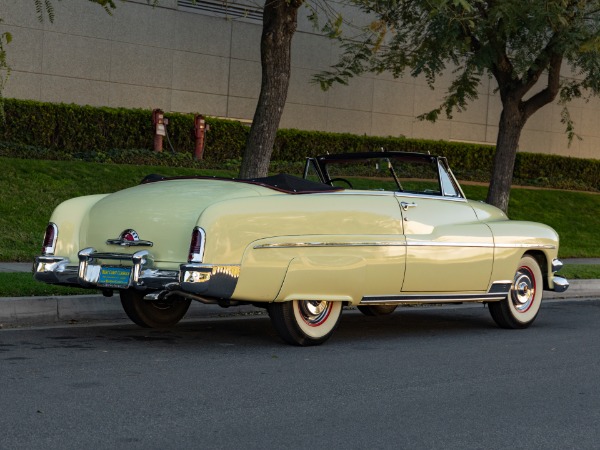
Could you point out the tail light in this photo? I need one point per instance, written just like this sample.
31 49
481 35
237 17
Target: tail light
197 246
50 239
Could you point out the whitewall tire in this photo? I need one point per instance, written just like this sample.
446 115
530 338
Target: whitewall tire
305 322
522 305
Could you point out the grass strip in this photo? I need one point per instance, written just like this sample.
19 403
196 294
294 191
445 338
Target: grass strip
580 272
23 285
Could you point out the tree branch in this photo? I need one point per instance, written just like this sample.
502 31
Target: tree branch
541 63
548 94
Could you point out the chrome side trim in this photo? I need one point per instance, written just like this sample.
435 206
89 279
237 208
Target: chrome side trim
540 246
400 244
331 244
477 244
497 291
430 298
448 244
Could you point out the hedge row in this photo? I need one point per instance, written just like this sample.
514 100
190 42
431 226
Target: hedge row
125 135
72 129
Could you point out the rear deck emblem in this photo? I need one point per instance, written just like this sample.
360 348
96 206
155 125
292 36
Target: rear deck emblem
129 238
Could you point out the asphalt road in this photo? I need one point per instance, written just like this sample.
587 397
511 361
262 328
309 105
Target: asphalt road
422 378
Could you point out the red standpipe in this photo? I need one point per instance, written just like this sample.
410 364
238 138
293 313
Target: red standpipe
158 124
200 129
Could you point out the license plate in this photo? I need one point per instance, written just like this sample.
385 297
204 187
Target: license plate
115 277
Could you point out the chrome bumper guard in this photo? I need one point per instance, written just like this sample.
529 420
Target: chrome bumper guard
560 283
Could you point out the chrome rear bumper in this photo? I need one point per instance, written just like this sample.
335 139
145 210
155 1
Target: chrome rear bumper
217 281
59 270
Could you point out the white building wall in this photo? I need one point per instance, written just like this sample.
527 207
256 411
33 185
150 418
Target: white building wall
171 58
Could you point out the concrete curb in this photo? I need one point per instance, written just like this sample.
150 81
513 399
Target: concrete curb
19 311
577 289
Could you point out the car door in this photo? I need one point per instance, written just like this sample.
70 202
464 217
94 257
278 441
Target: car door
448 248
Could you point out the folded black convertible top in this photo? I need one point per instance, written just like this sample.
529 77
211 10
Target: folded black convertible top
282 182
290 183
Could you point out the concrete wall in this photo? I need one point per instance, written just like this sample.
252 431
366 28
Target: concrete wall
177 59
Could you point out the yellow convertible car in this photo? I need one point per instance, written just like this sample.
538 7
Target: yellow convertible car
371 230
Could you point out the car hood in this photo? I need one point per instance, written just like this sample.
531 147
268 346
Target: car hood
164 213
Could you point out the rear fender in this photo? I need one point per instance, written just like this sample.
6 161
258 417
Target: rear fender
71 217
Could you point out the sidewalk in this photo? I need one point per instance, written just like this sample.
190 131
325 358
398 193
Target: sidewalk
18 311
21 311
15 267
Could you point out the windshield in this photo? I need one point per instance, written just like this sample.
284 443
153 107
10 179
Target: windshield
390 171
395 172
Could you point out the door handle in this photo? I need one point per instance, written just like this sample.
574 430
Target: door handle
406 205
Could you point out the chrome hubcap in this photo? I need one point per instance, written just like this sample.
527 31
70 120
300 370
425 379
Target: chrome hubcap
314 312
523 292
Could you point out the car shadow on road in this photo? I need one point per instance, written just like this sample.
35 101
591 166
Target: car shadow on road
404 326
405 323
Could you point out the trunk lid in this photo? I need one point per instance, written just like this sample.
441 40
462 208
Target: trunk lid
164 213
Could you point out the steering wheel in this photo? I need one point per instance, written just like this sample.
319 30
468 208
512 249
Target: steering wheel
342 180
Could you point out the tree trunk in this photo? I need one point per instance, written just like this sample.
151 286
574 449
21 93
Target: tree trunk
279 25
509 132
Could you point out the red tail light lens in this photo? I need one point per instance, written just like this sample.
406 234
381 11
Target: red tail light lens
197 246
50 239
